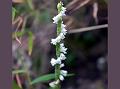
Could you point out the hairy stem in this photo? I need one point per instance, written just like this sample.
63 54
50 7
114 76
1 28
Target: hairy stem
57 67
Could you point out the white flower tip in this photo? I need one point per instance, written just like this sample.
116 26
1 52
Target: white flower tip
62 48
53 41
63 72
57 82
53 61
52 84
61 35
61 77
62 65
58 61
62 56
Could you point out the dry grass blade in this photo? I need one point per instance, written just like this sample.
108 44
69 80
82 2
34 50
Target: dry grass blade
76 4
19 20
95 11
88 29
18 1
18 81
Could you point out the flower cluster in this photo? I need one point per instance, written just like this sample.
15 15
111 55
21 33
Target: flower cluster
61 36
58 40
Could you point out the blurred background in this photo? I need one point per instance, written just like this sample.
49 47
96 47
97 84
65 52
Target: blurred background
32 30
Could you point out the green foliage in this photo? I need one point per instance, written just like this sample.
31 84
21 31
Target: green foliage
44 17
43 78
15 86
18 71
13 13
30 43
30 5
30 39
18 34
46 78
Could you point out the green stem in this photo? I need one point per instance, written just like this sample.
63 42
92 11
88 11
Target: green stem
57 67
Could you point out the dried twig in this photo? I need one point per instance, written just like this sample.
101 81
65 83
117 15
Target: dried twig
76 4
18 1
18 81
88 29
19 20
95 11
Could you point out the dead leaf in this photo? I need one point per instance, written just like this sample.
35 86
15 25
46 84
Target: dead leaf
18 1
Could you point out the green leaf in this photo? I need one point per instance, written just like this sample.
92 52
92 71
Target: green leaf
15 86
18 34
18 71
70 75
13 13
30 43
29 2
43 78
46 78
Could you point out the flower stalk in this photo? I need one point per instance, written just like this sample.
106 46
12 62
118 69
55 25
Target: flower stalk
60 49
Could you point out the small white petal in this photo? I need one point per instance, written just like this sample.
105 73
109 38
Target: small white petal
63 11
58 61
64 31
62 65
57 17
62 56
61 77
63 72
58 39
53 41
57 81
63 49
52 84
53 61
61 35
63 25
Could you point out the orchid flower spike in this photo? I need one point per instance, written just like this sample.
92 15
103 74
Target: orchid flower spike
60 48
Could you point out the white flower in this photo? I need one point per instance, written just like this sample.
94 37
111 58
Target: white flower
62 56
62 65
61 77
58 61
54 83
53 41
63 11
63 72
61 36
63 25
58 39
54 61
57 18
62 48
57 81
64 31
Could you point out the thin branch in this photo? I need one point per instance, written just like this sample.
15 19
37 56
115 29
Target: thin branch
88 29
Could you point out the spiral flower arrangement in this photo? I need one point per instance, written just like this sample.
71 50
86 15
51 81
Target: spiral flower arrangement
60 48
